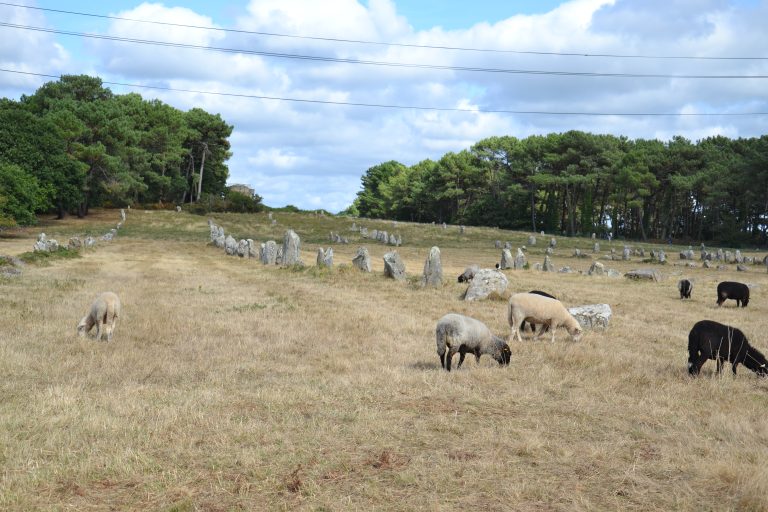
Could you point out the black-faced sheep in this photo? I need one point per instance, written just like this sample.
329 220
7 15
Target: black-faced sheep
733 290
712 340
530 307
469 273
104 311
544 327
462 334
685 287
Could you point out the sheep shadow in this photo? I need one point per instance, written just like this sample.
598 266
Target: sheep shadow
424 366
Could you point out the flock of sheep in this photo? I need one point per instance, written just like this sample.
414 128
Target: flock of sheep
707 340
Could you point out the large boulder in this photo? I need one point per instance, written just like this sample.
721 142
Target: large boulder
325 257
506 260
433 269
44 244
592 316
253 251
362 260
291 247
596 269
394 267
268 252
74 243
485 282
242 248
520 260
531 240
548 265
230 245
644 274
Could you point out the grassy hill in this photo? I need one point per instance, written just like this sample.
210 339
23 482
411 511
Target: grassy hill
234 386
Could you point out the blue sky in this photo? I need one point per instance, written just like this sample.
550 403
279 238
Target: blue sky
312 155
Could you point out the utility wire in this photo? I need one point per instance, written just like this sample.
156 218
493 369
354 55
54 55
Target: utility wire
410 107
319 58
380 43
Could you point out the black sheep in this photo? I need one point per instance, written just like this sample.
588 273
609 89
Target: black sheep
733 290
712 340
685 287
544 327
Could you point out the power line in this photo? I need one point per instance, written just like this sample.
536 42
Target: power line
319 58
409 107
381 43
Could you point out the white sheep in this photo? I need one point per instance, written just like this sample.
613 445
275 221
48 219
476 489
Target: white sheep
462 334
537 309
105 311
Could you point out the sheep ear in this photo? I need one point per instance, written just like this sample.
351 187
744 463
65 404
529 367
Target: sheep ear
762 366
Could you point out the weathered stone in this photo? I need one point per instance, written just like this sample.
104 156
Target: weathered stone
520 260
508 245
592 316
612 273
268 252
741 268
107 237
445 226
269 215
279 257
542 233
531 240
354 227
230 245
548 266
89 242
399 241
433 269
325 257
44 244
394 267
720 255
274 222
461 230
644 273
392 239
686 255
662 257
497 245
119 225
537 266
706 264
484 283
374 235
577 253
291 248
364 232
362 260
506 260
565 270
549 251
242 248
469 273
596 269
253 251
738 258
626 253
74 243
594 235
553 243
122 214
383 237
596 247
178 209
728 257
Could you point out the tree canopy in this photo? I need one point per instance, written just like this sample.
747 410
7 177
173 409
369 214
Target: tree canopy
74 144
580 183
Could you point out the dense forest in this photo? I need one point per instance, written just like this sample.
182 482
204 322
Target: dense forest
74 144
580 183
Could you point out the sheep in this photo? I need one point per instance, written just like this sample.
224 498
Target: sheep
544 327
686 287
538 309
462 334
712 340
105 311
469 273
733 290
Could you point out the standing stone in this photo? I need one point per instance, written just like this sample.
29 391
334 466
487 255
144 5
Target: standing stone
738 257
549 251
625 255
122 214
542 233
119 225
577 253
399 241
242 248
89 242
445 226
720 255
596 269
553 242
508 245
325 257
497 244
392 239
593 316
394 267
596 247
374 234
274 222
741 268
279 257
291 248
362 260
686 255
253 252
354 227
269 252
646 273
520 260
662 257
531 240
506 260
364 232
485 282
548 266
230 245
594 236
269 215
707 264
383 237
433 269
461 230
728 257
178 209
74 243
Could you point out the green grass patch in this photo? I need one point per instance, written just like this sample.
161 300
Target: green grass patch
43 259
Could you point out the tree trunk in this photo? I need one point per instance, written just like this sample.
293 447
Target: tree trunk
202 166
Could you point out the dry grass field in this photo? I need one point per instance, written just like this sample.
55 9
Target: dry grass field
234 386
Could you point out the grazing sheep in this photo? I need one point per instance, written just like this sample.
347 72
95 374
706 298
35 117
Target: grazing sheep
544 327
713 340
462 334
686 287
105 311
469 273
538 309
733 290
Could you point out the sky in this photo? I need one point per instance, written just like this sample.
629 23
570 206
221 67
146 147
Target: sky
312 154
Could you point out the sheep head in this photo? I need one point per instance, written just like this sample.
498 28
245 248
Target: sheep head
501 352
574 329
83 327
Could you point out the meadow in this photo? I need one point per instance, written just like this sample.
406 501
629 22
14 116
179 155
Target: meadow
235 386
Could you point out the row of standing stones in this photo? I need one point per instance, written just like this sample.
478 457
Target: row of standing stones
482 285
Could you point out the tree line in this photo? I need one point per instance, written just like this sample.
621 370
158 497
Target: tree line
578 183
74 144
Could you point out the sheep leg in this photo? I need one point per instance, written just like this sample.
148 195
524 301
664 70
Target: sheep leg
442 359
477 355
733 367
462 353
448 359
98 330
719 365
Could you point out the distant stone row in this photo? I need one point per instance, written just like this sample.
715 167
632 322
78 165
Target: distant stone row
45 244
